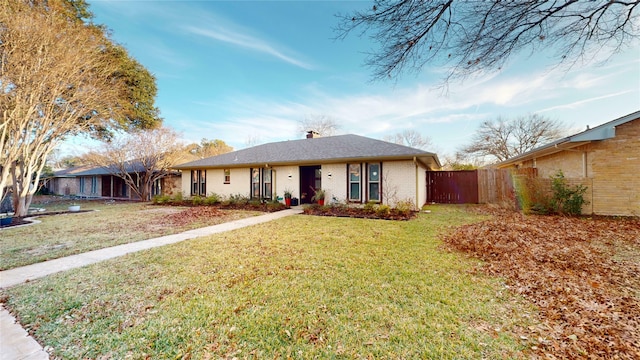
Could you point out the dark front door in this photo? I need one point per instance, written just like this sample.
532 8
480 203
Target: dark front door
310 180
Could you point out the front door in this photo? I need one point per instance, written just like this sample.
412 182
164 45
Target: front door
310 180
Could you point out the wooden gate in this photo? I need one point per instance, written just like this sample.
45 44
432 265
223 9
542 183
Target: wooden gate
452 187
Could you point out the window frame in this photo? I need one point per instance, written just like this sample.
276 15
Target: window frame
198 182
378 181
351 182
227 176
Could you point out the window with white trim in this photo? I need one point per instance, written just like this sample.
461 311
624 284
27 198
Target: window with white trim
373 182
199 182
354 177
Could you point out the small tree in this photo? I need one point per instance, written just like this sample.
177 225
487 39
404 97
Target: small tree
139 158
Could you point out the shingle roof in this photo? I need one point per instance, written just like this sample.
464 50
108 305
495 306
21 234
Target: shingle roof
314 150
600 132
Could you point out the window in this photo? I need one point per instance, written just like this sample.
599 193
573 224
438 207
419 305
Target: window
227 176
266 183
354 182
94 185
261 183
81 190
199 182
373 180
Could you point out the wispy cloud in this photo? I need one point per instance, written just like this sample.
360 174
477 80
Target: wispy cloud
248 42
576 104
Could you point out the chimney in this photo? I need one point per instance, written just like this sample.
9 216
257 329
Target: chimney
312 134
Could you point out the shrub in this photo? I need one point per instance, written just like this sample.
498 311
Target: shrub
161 199
212 199
405 207
177 198
370 207
238 199
197 200
383 210
567 199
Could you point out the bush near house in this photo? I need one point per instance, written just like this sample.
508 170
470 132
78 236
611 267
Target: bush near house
235 202
550 196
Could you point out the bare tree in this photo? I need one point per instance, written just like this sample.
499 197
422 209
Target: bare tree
252 140
505 138
410 138
322 124
139 158
471 37
58 77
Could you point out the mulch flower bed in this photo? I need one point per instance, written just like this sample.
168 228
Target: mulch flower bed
356 212
583 274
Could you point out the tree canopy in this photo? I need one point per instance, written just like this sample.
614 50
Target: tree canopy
473 37
60 76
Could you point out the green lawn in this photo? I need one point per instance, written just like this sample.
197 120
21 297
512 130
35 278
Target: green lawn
300 287
113 224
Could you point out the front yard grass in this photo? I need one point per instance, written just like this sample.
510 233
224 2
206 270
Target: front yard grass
300 287
113 224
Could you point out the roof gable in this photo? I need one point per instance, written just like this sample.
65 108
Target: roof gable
321 149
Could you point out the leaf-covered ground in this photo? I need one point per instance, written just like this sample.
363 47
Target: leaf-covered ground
582 273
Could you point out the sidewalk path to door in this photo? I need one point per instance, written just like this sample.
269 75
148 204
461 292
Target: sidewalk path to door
16 344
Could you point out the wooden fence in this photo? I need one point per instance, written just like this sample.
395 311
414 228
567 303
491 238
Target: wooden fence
484 186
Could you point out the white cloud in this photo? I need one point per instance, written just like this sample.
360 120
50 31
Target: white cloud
243 40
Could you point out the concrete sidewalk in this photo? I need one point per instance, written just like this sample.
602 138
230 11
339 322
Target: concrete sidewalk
16 344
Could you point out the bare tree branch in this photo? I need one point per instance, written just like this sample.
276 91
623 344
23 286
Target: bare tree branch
503 138
322 124
474 37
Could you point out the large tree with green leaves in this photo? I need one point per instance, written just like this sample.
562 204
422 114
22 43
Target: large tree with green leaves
61 75
474 37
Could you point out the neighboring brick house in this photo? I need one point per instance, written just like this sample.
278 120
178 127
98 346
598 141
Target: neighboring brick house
605 158
97 182
347 167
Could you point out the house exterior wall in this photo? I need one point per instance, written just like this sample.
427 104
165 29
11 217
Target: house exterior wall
336 184
616 170
609 168
87 190
401 180
64 186
286 178
400 183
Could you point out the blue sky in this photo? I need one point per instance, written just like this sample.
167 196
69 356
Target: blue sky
240 70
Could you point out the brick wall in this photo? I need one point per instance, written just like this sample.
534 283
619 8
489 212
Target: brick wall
609 168
616 172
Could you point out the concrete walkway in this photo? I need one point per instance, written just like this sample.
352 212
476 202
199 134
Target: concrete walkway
16 344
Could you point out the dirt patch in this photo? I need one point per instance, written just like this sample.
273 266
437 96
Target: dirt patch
582 273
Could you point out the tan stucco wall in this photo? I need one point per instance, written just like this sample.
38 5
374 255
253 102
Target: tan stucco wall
609 168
